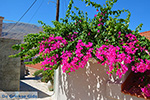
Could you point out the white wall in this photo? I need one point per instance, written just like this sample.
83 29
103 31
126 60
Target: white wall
89 83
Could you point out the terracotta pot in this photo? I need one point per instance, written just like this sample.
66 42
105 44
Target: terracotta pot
132 86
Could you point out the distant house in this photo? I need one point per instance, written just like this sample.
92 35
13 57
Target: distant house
36 66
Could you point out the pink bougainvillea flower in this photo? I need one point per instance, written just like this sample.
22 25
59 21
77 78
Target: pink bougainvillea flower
75 32
77 62
99 24
146 90
119 34
98 31
100 19
118 73
22 48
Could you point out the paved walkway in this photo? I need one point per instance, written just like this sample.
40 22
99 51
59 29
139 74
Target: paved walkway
31 83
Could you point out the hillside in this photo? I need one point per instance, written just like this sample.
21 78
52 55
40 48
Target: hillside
19 31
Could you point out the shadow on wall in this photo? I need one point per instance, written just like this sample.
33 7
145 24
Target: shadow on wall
88 83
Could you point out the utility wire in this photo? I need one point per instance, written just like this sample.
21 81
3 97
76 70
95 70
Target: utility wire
33 14
22 15
65 7
37 10
51 2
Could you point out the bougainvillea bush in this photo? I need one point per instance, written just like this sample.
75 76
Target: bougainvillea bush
76 38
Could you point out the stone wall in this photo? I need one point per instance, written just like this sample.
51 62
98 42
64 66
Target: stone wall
89 83
9 67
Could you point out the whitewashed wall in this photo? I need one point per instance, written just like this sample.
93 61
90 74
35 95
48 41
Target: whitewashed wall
89 83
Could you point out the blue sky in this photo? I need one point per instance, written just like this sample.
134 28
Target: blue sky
14 9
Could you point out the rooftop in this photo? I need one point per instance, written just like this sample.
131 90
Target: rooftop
146 34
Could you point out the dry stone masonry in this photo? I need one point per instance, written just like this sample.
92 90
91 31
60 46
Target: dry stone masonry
9 67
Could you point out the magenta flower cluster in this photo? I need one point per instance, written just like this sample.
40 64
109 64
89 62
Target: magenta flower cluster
146 90
79 60
72 36
131 48
116 58
46 48
110 56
